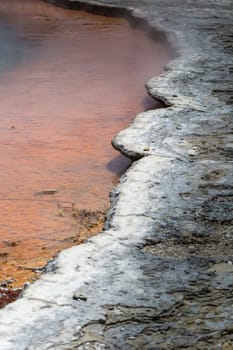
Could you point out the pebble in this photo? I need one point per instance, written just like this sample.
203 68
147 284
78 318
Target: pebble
80 297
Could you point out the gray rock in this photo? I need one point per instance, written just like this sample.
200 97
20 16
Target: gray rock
159 277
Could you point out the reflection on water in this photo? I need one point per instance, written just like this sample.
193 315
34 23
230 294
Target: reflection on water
12 48
71 82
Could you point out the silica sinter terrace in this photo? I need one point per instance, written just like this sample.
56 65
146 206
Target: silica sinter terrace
69 81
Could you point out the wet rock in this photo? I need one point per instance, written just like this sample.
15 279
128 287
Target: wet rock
6 283
8 295
10 243
222 267
48 192
79 296
168 238
3 253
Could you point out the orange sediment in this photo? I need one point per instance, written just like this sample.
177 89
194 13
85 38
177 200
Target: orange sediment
78 82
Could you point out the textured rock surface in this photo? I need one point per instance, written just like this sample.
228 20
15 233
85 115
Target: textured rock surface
161 275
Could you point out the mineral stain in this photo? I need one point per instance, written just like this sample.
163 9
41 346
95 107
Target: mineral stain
69 81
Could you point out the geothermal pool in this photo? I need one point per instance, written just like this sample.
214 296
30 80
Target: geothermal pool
69 81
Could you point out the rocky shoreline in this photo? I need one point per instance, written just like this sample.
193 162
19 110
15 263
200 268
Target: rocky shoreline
161 274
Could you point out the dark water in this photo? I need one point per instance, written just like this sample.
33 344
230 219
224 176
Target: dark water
12 48
69 81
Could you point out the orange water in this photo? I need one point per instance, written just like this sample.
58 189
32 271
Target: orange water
77 79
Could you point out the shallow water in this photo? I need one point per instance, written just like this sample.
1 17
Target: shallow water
69 81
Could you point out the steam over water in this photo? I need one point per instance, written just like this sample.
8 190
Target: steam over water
69 81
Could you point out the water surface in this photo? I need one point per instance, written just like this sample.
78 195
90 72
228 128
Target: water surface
69 81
